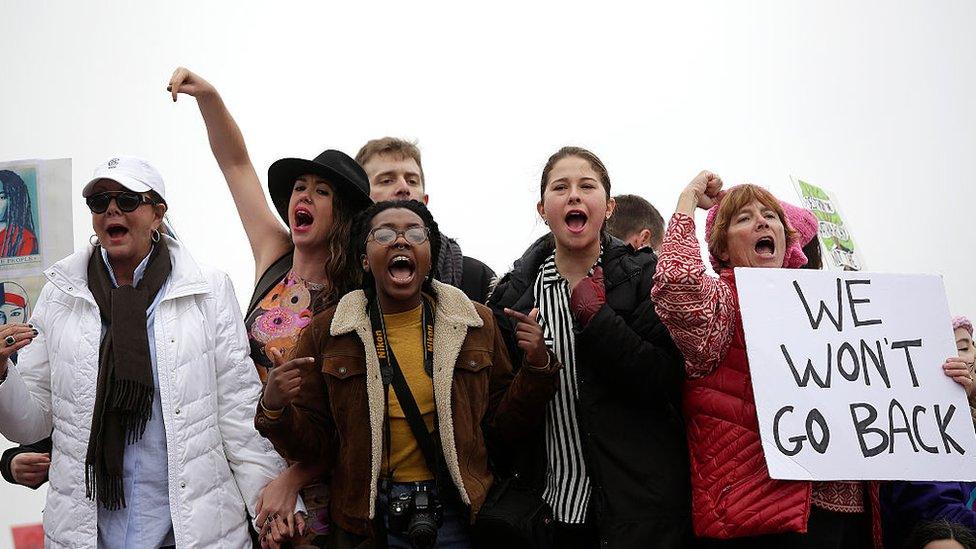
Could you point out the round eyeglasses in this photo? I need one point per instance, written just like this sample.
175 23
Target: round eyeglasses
385 236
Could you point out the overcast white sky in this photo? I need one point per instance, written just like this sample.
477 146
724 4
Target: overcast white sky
873 100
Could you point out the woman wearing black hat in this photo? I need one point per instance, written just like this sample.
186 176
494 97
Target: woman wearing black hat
299 270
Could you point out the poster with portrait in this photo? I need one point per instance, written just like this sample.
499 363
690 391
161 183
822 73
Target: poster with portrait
18 297
35 216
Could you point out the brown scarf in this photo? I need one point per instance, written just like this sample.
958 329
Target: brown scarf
124 394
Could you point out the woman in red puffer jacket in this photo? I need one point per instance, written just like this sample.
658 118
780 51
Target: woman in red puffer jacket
734 502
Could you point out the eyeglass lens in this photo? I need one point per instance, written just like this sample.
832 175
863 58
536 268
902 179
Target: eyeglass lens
125 200
413 235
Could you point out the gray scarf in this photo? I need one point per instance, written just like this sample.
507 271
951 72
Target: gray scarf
450 264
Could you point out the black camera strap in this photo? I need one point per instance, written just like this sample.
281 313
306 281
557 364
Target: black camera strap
392 375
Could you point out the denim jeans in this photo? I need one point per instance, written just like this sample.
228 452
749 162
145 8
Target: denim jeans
455 531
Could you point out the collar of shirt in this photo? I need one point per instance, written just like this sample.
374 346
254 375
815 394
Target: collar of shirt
136 275
550 274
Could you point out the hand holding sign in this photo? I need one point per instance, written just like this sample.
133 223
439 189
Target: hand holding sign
284 381
14 337
957 368
528 334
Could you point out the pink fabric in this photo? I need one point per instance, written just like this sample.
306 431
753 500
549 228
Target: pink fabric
962 322
799 219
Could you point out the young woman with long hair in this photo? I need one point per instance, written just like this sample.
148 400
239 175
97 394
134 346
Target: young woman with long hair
611 459
299 270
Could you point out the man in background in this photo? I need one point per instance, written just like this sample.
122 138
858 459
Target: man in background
396 173
637 222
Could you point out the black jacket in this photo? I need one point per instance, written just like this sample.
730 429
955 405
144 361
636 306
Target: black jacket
476 279
629 382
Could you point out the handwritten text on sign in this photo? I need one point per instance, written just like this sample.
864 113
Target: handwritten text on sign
847 374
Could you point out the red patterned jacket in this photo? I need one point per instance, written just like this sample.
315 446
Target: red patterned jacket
732 494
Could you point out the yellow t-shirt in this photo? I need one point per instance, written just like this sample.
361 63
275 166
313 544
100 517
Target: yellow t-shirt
404 334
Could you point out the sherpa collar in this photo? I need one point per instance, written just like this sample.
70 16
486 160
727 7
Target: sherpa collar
452 307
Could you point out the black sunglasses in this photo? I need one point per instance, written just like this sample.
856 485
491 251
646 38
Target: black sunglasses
386 236
127 201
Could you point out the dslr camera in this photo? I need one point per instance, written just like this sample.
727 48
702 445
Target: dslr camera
416 515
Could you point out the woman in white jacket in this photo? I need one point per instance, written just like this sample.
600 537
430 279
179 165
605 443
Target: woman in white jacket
153 436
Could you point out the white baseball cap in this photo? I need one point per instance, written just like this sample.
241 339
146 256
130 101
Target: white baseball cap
132 173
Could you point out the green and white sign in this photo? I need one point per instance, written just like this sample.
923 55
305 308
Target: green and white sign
835 236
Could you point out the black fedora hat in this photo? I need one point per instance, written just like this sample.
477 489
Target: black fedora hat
344 173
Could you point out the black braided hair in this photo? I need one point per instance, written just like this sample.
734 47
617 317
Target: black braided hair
19 216
363 225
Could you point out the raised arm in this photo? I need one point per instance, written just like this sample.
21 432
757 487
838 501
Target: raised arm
268 239
697 309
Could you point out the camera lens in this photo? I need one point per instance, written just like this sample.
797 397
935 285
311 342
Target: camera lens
422 531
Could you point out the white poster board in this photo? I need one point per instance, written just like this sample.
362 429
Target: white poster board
847 374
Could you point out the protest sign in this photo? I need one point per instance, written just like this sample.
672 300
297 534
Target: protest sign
834 234
35 216
847 373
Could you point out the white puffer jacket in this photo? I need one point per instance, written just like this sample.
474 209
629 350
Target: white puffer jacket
207 384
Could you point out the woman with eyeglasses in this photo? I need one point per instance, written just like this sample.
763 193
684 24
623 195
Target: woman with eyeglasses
137 359
399 389
299 270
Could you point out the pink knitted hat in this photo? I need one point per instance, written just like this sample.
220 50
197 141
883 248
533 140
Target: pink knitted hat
962 322
799 219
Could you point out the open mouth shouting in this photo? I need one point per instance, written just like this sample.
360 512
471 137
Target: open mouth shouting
116 232
576 221
766 247
303 219
402 269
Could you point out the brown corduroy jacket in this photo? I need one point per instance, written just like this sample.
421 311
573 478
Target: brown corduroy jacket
338 416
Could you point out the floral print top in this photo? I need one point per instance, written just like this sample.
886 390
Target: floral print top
278 320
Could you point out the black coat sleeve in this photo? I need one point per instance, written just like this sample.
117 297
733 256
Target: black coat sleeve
39 447
636 353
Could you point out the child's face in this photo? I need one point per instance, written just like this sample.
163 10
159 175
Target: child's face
964 345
